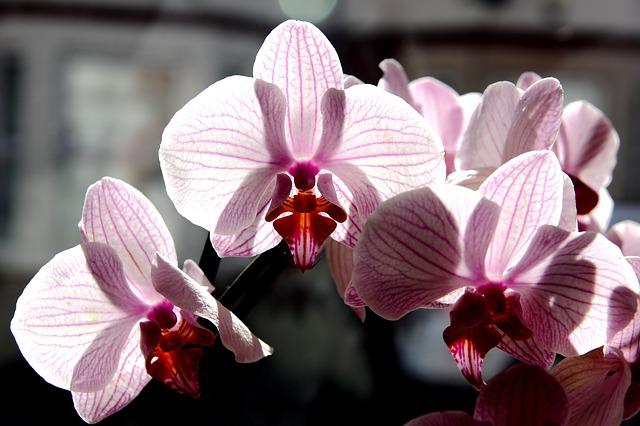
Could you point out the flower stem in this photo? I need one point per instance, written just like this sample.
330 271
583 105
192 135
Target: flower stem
253 282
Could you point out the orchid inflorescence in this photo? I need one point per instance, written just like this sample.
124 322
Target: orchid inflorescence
492 205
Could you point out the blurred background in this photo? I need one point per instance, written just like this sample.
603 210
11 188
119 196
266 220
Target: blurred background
86 88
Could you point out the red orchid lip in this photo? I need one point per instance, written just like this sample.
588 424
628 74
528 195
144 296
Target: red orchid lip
309 223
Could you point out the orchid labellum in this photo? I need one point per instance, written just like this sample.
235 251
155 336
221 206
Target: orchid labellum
101 319
505 258
292 154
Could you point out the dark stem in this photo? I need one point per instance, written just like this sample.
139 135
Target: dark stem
209 260
252 283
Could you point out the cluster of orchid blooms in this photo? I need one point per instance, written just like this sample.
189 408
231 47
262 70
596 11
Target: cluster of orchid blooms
492 205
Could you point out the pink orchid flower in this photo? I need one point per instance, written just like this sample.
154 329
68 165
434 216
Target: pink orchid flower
444 110
587 147
505 256
101 319
229 156
522 395
507 122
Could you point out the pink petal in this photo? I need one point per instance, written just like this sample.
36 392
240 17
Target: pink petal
60 313
386 148
483 142
595 384
446 301
130 377
117 214
185 293
529 351
333 115
471 179
576 290
412 251
257 238
192 269
568 217
536 120
529 189
299 59
587 144
394 80
99 362
350 80
626 235
438 104
527 79
523 395
340 262
468 102
221 152
446 418
108 270
628 339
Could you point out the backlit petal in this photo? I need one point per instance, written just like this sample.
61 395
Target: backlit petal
483 142
299 59
251 241
577 290
59 315
117 214
568 219
340 262
221 152
386 148
536 120
439 105
526 79
185 293
628 339
130 377
523 395
192 269
626 235
587 144
529 190
595 384
412 250
394 80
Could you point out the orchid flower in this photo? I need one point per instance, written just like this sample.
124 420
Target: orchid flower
507 122
521 395
587 146
104 317
504 256
444 110
230 155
